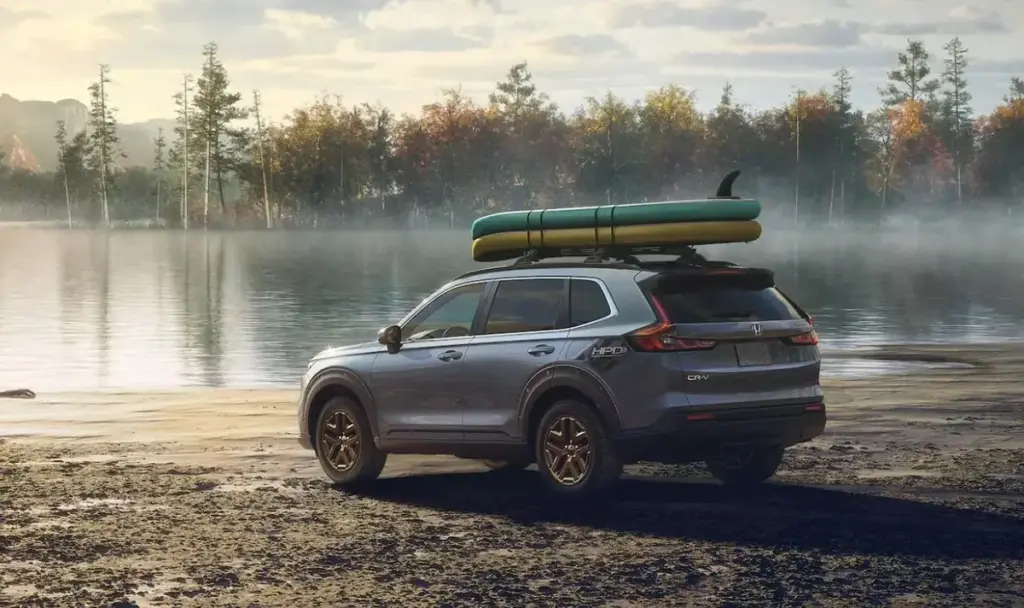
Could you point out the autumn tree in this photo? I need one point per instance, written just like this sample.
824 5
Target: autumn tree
607 142
671 130
893 129
381 125
999 167
730 139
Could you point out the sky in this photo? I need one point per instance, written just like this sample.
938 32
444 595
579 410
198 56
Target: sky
403 53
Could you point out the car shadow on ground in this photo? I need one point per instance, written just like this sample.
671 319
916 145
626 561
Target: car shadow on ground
775 515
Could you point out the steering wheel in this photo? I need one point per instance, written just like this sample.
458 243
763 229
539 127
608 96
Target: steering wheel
455 332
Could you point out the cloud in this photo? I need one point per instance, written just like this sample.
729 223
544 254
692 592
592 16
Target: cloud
11 18
593 45
826 33
828 60
172 35
962 21
996 67
424 40
295 25
721 16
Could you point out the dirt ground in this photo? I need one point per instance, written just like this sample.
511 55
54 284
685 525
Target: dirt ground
914 497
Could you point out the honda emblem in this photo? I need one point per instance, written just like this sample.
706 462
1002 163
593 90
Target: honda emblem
757 329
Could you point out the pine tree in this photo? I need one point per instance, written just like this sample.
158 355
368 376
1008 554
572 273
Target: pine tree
214 111
957 106
843 112
104 144
909 81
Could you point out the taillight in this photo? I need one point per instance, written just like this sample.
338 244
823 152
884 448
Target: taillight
661 337
808 339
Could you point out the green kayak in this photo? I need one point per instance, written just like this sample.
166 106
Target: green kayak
706 210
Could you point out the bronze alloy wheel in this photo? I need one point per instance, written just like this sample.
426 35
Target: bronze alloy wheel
568 453
339 441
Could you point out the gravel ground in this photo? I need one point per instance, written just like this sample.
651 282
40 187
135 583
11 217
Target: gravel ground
914 497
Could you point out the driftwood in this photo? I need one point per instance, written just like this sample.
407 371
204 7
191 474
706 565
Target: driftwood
18 393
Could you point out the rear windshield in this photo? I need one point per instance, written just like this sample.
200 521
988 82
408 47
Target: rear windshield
722 299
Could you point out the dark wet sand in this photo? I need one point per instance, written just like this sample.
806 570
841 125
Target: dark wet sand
914 497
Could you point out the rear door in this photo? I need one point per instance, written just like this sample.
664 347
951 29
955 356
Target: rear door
739 340
524 330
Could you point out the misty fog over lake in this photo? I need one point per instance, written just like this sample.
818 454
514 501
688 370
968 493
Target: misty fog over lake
139 309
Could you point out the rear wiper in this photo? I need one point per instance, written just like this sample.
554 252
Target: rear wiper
739 314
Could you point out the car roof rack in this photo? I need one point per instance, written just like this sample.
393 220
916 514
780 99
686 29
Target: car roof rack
686 255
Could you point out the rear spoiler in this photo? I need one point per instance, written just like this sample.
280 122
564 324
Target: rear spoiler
762 277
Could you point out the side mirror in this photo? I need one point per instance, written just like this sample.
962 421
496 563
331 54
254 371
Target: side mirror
391 337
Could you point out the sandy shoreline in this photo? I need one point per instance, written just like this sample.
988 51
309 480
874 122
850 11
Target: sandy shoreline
915 496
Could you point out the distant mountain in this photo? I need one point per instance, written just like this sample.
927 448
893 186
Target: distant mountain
27 129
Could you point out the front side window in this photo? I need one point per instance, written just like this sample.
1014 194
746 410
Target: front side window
526 305
449 316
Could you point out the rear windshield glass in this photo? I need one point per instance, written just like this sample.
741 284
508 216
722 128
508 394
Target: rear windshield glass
720 300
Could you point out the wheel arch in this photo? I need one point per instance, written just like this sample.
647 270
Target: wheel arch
337 382
560 382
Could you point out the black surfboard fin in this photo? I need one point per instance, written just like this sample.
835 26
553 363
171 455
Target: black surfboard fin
725 188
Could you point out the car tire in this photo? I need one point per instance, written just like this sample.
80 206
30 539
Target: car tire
574 453
344 444
746 468
505 465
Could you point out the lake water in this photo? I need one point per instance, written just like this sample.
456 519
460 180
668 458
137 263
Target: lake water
83 310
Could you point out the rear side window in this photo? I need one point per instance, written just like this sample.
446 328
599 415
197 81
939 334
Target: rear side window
722 299
587 302
526 305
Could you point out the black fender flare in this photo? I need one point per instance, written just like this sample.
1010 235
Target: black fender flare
346 378
564 375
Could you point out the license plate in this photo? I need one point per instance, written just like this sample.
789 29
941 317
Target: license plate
753 353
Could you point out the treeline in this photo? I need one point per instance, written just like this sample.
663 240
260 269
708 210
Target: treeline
815 159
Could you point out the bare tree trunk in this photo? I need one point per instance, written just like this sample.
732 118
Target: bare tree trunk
796 195
206 191
103 150
157 216
270 180
67 191
184 169
263 164
832 196
209 142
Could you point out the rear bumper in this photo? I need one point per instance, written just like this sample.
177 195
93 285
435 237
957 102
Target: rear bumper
691 435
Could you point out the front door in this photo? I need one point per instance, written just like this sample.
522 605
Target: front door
525 330
416 390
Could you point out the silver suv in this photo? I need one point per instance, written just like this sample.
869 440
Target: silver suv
579 367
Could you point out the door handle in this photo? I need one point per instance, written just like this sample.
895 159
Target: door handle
541 349
450 355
